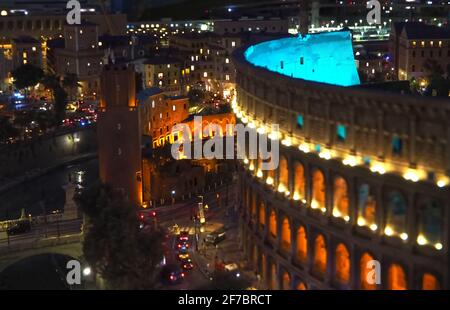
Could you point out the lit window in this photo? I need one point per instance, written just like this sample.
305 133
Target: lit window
300 121
205 74
160 75
153 104
227 77
227 60
341 132
81 31
168 66
233 43
173 108
34 48
160 115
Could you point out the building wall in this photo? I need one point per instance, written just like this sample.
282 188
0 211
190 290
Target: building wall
251 25
51 26
166 76
338 201
119 135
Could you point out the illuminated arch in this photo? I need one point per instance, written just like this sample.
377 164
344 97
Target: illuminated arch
302 245
364 272
301 286
254 256
283 175
430 221
396 210
273 224
286 235
430 282
286 281
340 198
366 206
299 182
273 285
396 278
320 255
253 206
263 266
318 190
342 264
262 215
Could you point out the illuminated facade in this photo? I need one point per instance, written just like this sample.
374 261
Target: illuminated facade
119 132
363 176
413 44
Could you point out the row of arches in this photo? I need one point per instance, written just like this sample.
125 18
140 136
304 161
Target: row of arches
360 201
312 251
396 278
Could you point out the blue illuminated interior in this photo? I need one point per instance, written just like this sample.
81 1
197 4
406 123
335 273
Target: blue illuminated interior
323 57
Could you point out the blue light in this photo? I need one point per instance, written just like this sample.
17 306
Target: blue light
341 132
19 96
300 121
323 57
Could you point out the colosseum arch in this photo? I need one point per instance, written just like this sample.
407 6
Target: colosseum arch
301 286
318 190
262 215
396 278
342 264
299 182
263 266
366 206
283 175
396 212
254 256
320 255
340 198
253 205
286 281
286 235
302 245
273 278
273 223
364 272
430 221
430 282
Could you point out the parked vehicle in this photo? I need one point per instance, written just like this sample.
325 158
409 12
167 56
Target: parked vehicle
17 228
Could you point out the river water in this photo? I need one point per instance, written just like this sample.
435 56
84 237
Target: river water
46 193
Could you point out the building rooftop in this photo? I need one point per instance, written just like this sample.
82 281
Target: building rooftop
143 95
323 57
417 31
25 40
161 60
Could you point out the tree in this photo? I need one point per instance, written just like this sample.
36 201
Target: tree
7 130
51 82
27 76
60 104
114 246
71 83
438 84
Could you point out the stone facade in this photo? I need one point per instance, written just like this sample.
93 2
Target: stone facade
311 226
